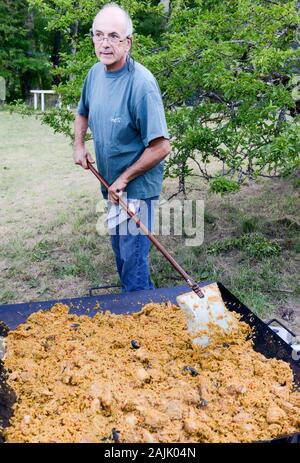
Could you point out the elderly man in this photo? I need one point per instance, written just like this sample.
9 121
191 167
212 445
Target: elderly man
122 105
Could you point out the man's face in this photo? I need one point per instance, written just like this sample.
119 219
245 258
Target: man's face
111 23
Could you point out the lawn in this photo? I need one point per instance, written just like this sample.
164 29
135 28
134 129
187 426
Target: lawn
50 247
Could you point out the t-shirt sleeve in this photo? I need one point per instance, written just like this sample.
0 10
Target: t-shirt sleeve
150 117
83 106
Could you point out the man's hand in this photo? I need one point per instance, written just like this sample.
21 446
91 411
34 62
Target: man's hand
81 155
116 189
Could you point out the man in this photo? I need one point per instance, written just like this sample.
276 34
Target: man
121 103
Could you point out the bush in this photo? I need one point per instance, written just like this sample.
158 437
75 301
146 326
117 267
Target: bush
255 245
222 186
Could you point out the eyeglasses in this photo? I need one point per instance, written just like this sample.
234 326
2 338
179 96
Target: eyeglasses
111 38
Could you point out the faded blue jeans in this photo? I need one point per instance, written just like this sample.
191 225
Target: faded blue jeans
131 248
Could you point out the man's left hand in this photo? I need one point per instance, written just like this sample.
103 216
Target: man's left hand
116 190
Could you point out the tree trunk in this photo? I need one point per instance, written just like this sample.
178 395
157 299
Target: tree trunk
25 77
25 80
166 5
74 34
55 58
29 23
182 179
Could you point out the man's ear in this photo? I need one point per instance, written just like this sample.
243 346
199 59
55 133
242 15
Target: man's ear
130 39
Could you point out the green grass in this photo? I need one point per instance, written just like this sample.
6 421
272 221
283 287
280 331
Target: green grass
254 245
41 250
249 224
296 182
6 296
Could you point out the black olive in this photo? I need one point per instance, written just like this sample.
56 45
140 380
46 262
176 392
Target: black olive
75 325
191 370
202 403
115 435
135 344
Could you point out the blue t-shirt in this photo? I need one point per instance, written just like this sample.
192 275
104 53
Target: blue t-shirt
125 112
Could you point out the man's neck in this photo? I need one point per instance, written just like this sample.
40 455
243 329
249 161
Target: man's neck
116 66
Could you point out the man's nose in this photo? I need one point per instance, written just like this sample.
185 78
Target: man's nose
105 43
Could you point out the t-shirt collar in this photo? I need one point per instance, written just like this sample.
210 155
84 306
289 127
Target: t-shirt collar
117 73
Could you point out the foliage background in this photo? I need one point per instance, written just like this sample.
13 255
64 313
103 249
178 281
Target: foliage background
228 71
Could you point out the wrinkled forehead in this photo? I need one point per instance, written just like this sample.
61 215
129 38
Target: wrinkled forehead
111 20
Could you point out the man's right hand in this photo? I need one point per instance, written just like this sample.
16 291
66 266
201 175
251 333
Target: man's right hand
81 155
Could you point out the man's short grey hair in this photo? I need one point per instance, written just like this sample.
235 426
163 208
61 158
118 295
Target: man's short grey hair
129 26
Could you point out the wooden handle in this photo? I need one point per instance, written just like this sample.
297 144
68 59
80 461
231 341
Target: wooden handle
192 284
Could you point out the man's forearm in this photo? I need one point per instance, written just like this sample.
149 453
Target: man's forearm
152 155
80 129
80 153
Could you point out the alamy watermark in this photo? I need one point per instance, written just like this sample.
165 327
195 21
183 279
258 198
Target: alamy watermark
174 217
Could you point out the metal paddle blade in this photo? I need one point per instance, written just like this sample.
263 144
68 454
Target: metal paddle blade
206 314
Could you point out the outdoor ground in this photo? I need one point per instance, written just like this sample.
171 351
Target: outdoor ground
50 248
